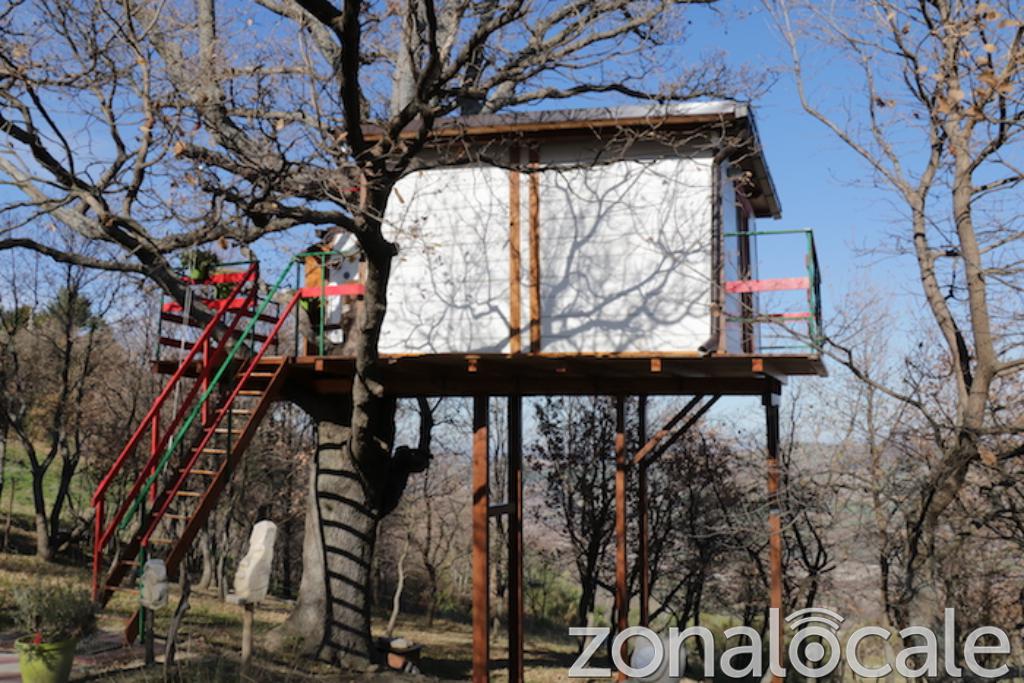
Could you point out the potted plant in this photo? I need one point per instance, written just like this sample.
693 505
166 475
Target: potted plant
55 615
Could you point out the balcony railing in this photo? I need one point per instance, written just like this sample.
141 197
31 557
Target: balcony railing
785 322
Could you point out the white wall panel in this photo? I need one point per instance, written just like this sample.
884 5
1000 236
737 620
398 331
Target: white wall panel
625 258
449 287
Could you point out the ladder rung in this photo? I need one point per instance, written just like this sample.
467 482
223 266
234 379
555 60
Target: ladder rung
224 430
160 541
215 451
262 375
251 392
188 494
203 473
245 411
174 516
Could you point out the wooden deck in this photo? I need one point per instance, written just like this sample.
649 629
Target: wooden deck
559 374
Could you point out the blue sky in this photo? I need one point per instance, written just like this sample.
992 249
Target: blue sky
823 185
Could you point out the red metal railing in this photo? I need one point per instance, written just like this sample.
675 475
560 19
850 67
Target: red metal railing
210 428
218 342
212 341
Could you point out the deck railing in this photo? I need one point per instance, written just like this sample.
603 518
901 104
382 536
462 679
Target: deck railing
784 324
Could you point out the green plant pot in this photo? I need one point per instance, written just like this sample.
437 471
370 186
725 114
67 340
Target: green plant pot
45 662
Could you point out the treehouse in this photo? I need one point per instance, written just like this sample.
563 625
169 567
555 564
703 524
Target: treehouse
590 251
587 232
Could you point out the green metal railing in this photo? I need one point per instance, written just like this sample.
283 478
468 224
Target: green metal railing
203 399
815 335
247 336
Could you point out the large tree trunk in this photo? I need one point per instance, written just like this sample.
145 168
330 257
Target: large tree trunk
331 618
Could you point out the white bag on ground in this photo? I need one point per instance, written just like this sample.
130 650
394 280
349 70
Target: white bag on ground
252 580
154 584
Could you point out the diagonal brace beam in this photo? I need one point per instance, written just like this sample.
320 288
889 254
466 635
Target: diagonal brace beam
653 442
646 459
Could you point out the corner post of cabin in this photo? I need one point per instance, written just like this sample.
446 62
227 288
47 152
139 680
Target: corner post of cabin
645 570
621 464
515 539
481 522
771 400
534 248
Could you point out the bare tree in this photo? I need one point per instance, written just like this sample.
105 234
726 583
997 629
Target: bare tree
575 454
55 343
942 137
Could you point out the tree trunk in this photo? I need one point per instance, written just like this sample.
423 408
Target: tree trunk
3 454
69 464
206 578
43 549
396 600
331 619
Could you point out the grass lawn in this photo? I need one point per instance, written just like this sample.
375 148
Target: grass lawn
208 642
16 500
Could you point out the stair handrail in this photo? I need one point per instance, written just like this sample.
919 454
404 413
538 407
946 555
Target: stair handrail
137 496
102 533
154 410
161 443
168 495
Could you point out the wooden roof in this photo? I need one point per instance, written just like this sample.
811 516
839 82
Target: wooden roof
732 118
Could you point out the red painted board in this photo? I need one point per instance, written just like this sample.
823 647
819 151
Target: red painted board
775 285
348 289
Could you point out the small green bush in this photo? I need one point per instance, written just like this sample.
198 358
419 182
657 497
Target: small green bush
52 612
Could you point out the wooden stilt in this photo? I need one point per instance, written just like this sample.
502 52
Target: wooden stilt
515 539
481 568
621 463
149 647
645 569
771 406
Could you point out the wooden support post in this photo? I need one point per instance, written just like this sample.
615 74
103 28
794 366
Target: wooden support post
481 569
621 463
147 637
645 568
771 407
515 301
515 539
534 192
248 615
